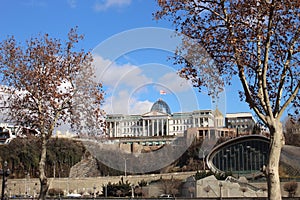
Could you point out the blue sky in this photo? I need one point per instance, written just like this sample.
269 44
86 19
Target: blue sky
130 58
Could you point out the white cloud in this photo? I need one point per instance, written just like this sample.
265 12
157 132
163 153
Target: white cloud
115 76
106 4
140 107
124 103
173 83
124 83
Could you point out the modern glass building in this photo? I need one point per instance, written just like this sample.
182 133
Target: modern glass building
243 155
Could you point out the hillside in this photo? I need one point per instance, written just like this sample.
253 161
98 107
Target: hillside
22 155
68 157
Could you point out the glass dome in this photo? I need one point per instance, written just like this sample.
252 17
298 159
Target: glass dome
161 106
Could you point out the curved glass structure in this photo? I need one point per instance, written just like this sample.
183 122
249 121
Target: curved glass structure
243 155
161 106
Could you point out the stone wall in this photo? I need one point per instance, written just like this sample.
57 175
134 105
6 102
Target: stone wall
76 185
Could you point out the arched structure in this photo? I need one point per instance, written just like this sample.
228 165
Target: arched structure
241 155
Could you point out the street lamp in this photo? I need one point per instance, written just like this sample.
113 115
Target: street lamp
125 166
132 191
220 185
5 173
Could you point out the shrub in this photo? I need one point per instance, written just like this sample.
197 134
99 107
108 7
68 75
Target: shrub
291 188
55 192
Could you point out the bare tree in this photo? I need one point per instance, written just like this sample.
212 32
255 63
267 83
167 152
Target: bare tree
47 83
255 40
138 191
119 193
170 186
292 131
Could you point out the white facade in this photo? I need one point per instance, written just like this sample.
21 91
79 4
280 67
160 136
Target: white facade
239 120
158 122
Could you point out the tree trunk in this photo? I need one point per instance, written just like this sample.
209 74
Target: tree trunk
42 175
276 143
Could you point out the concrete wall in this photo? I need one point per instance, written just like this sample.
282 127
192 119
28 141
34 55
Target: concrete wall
210 187
20 186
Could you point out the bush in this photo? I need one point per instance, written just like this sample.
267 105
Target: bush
117 189
291 188
55 192
220 176
202 174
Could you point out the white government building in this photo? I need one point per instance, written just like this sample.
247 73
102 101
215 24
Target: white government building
161 122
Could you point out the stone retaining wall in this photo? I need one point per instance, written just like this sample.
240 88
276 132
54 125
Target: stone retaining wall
76 185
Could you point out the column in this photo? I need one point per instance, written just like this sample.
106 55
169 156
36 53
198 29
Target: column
162 127
167 126
152 127
157 127
115 129
143 127
148 128
110 129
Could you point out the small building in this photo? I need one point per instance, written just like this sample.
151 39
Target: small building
243 122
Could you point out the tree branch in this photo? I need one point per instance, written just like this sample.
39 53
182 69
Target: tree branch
248 94
208 9
284 70
259 75
290 99
265 64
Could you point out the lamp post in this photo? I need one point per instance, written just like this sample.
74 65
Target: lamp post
132 191
220 185
125 167
5 173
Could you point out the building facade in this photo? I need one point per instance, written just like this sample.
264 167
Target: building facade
159 121
243 122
